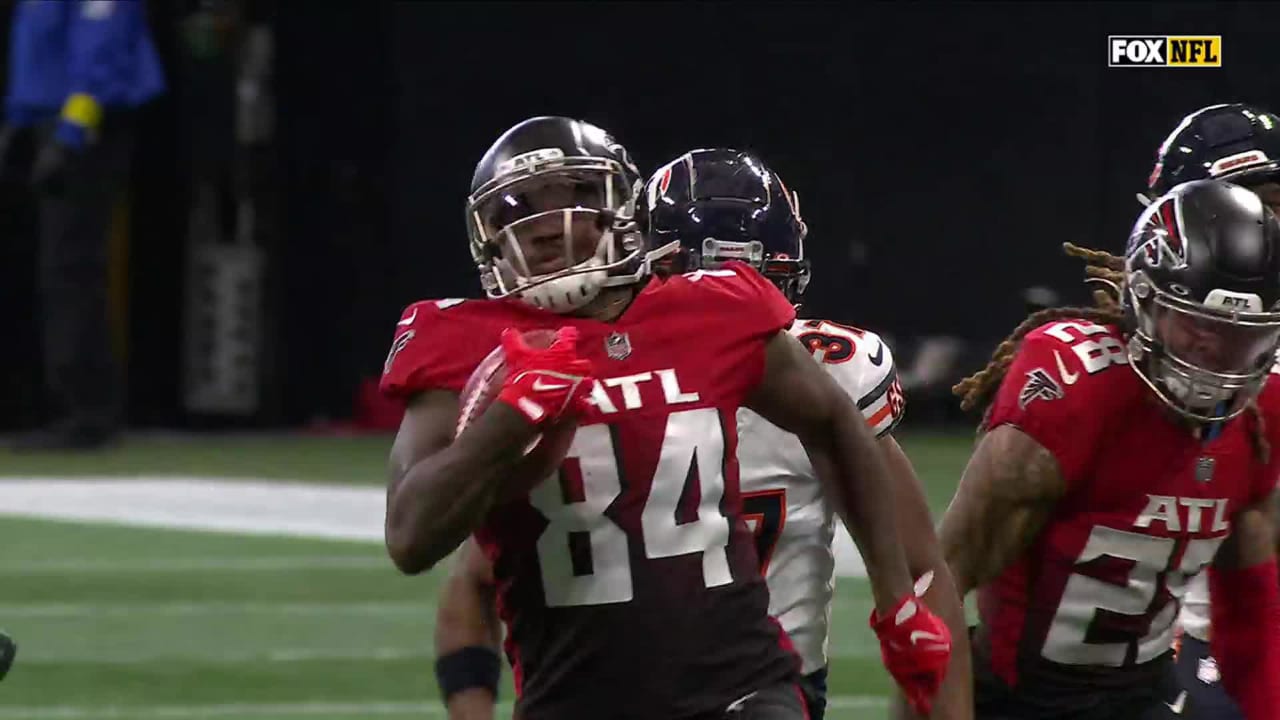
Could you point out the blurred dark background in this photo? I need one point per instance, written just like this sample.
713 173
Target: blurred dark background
304 177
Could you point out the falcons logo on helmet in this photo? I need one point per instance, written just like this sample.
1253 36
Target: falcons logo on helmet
1161 237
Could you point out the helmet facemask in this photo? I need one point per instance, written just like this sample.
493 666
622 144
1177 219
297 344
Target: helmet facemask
1206 361
790 275
554 230
739 218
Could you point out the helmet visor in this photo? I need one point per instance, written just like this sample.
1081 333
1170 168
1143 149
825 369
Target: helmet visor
1215 344
548 222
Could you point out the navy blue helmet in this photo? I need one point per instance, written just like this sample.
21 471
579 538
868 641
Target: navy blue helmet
1234 142
722 205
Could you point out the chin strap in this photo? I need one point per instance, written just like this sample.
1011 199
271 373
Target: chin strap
1214 429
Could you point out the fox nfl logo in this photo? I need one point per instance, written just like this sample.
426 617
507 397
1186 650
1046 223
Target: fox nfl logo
1164 51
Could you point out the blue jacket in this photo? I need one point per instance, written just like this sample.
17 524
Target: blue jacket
76 59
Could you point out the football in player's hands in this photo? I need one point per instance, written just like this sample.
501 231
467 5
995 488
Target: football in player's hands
548 448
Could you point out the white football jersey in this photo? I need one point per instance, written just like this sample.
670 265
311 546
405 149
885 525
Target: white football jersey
783 498
1194 616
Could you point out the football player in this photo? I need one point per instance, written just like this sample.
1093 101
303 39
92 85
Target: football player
628 581
1239 143
1125 449
723 205
1234 142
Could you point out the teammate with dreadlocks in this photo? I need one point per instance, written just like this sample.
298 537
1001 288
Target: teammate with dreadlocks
1239 143
1127 447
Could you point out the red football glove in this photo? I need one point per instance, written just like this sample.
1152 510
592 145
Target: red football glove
916 648
545 383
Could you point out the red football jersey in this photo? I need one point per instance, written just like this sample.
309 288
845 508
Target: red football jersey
629 583
1092 603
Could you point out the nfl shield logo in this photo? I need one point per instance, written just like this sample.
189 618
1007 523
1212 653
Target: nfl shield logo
1204 469
617 346
1208 672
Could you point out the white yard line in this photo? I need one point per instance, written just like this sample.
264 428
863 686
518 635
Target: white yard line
243 507
246 507
283 656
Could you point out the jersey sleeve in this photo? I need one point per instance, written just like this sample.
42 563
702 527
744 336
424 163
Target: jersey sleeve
764 309
1269 403
434 348
1051 396
862 365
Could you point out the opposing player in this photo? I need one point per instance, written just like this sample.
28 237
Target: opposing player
1127 448
629 582
1239 143
1234 142
724 205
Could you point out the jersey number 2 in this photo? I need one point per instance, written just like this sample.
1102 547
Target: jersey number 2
1094 355
1144 577
584 554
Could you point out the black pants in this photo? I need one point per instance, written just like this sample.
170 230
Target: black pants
814 688
81 373
1146 699
1205 698
783 701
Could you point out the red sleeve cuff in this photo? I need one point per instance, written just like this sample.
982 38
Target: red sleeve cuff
1245 640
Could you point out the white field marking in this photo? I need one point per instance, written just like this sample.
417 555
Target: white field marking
247 507
219 655
230 710
300 709
280 655
252 507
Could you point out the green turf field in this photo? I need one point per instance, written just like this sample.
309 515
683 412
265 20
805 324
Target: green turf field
125 622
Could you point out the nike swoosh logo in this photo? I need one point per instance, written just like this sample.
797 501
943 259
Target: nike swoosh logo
918 635
409 320
879 356
541 385
1176 705
1067 377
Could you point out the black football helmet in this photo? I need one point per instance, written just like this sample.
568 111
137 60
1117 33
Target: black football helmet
1202 276
590 176
1235 142
722 204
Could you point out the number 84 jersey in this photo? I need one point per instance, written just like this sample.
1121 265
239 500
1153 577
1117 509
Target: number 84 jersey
793 521
1091 605
628 580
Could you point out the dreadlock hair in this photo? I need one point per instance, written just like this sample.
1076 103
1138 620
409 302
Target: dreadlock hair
977 390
